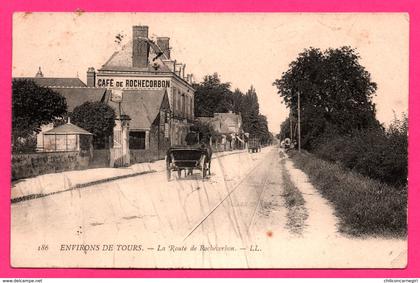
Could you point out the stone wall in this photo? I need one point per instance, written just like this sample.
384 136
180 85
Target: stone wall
34 164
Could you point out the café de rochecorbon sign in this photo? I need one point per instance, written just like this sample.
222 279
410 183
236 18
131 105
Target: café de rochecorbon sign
130 82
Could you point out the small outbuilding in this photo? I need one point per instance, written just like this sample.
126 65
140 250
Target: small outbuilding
67 137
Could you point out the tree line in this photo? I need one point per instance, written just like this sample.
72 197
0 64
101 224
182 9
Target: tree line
214 96
338 116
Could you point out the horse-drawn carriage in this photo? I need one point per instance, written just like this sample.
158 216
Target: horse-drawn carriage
195 155
188 158
254 145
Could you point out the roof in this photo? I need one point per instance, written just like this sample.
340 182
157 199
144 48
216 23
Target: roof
67 129
229 120
224 122
55 82
142 106
78 96
122 60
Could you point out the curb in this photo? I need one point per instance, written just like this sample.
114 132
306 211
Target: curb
80 186
96 182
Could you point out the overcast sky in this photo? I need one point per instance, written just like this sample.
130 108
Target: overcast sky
245 49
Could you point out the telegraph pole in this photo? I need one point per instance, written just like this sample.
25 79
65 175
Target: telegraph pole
299 120
291 125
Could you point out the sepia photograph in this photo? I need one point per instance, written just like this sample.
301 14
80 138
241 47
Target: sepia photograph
209 140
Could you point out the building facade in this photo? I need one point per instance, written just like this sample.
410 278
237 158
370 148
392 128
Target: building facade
228 127
144 65
144 85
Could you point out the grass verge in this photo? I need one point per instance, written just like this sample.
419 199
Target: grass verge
363 205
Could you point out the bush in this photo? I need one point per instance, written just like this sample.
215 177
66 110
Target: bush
376 153
363 205
24 145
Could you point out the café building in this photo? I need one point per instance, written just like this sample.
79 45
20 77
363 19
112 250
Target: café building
144 68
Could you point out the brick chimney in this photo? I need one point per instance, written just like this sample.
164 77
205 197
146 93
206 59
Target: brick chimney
140 46
91 77
163 43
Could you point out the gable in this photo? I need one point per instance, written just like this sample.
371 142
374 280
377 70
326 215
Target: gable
123 59
142 106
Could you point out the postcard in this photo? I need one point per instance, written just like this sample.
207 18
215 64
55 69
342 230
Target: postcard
209 140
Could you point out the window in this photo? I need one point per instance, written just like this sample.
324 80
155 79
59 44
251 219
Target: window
137 140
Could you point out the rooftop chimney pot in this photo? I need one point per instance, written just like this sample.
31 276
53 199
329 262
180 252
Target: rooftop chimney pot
140 46
163 43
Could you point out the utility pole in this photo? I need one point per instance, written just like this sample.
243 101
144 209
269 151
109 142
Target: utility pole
291 126
299 120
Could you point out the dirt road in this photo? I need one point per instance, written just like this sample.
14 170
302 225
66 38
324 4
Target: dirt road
239 217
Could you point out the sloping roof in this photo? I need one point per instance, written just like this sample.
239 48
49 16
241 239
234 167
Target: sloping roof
122 60
142 106
232 118
223 122
229 120
55 82
78 96
67 129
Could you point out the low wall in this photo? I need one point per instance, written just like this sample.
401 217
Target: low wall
145 155
34 164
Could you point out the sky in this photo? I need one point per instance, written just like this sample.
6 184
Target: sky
243 48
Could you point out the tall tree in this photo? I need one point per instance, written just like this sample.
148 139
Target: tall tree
212 96
32 107
97 118
335 92
250 110
237 97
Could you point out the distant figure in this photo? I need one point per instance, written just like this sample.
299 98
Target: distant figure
287 143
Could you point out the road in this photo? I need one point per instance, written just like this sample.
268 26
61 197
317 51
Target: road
235 218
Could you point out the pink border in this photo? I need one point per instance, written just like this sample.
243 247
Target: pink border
6 11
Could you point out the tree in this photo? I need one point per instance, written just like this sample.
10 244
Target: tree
204 130
97 118
236 98
212 96
32 107
250 110
335 92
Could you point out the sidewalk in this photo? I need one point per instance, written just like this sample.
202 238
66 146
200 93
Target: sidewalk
48 184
